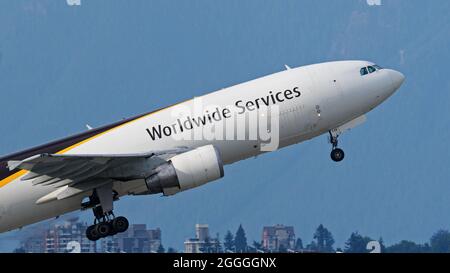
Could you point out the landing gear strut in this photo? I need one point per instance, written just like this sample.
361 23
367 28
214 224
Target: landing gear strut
336 154
105 223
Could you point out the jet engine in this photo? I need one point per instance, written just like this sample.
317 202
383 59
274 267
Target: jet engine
187 170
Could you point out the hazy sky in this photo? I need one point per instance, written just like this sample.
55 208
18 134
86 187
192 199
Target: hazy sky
64 66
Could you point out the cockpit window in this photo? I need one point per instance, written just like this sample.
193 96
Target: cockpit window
371 69
363 71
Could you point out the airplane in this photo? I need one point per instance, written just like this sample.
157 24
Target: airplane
156 152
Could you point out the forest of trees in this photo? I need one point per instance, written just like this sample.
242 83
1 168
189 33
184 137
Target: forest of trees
323 241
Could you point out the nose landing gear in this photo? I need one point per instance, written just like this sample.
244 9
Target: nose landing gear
336 154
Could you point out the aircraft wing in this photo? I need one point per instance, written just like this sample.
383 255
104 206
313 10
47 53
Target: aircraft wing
60 170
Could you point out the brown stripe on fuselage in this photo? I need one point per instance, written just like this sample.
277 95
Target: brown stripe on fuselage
56 146
62 145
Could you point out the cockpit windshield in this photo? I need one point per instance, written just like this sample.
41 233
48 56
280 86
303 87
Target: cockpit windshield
363 71
369 69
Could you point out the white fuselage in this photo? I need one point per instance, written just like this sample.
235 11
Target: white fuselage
332 94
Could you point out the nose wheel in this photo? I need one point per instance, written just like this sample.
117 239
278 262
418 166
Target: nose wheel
336 154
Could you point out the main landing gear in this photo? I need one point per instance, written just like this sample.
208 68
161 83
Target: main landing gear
105 223
106 226
336 154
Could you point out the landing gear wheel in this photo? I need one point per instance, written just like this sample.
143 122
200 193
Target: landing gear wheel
337 155
92 234
120 224
105 223
103 229
112 231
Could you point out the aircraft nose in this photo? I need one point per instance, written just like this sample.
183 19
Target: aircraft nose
397 78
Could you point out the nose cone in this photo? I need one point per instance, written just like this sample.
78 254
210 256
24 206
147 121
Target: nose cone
397 79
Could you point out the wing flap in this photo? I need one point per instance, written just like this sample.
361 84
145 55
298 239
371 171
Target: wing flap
42 179
30 175
66 191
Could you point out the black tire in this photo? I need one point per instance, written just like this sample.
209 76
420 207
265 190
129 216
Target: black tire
103 229
92 234
112 232
337 155
120 224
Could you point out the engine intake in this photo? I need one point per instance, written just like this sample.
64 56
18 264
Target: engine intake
187 170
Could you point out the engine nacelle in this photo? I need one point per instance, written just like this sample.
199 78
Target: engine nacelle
187 170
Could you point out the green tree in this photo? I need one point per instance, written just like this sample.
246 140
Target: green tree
440 241
206 246
312 246
257 245
357 243
324 239
171 250
382 246
229 241
408 247
161 249
282 249
19 250
299 244
219 244
240 241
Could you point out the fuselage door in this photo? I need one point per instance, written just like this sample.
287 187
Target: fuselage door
327 95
